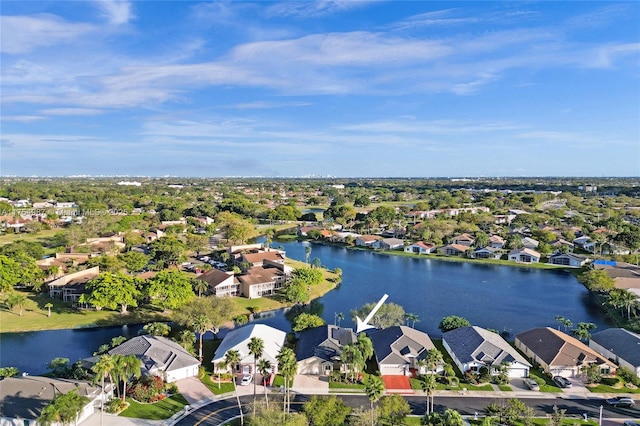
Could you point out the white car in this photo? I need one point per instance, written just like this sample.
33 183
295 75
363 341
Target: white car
246 380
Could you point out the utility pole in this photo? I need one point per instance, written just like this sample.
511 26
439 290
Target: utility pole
600 418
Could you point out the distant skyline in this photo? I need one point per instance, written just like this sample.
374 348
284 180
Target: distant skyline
332 88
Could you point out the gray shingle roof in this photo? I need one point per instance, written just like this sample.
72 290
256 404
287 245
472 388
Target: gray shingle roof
392 345
621 342
324 342
478 344
156 352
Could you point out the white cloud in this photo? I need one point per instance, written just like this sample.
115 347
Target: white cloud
313 9
22 34
21 118
117 12
71 111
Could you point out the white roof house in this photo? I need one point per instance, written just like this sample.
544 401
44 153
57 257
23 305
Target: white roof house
239 339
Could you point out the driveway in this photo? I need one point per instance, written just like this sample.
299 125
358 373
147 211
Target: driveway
308 384
397 384
193 390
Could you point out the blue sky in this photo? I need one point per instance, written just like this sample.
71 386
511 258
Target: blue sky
336 88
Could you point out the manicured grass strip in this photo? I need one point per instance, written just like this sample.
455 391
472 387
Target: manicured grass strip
158 410
505 388
212 384
539 421
549 386
612 389
63 315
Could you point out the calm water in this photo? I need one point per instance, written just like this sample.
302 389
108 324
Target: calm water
505 298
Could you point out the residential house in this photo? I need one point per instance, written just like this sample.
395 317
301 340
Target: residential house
343 237
463 240
502 219
400 350
388 244
625 275
619 345
318 349
530 243
472 348
261 258
585 243
22 399
160 357
558 353
367 240
70 287
304 230
496 241
239 339
420 247
561 242
487 253
455 249
264 280
568 259
524 255
221 284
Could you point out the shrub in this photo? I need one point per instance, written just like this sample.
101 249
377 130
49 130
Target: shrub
116 405
628 376
501 379
146 389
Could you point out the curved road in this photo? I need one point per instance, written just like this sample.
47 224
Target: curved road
220 411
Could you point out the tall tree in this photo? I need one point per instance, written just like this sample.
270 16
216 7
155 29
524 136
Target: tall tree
204 313
411 319
170 289
326 411
393 409
63 409
110 290
374 388
265 368
256 348
287 365
452 322
127 366
103 368
232 358
17 301
428 384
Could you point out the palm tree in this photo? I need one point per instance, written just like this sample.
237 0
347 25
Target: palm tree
433 359
201 286
63 409
352 358
231 358
338 317
186 338
628 300
374 388
200 326
264 367
49 306
17 301
222 365
365 345
127 366
256 348
102 369
412 318
428 384
287 366
307 253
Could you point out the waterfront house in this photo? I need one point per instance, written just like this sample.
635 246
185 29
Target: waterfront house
263 280
343 237
455 249
420 247
22 399
524 256
70 287
472 348
619 345
568 259
160 357
558 353
239 339
367 240
625 275
318 349
388 244
399 350
220 283
487 253
585 243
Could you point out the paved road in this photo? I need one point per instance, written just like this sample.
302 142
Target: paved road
217 412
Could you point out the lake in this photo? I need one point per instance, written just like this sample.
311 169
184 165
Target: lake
505 298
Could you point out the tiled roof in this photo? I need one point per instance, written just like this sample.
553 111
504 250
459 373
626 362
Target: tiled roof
157 352
392 345
239 338
478 344
621 342
324 342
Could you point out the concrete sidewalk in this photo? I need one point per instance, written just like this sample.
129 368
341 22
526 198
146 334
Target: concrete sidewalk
113 420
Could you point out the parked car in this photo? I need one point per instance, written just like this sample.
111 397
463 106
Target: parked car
246 380
620 401
532 384
562 382
631 423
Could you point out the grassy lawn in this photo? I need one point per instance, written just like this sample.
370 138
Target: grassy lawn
41 237
618 387
157 411
245 306
505 388
63 315
206 371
